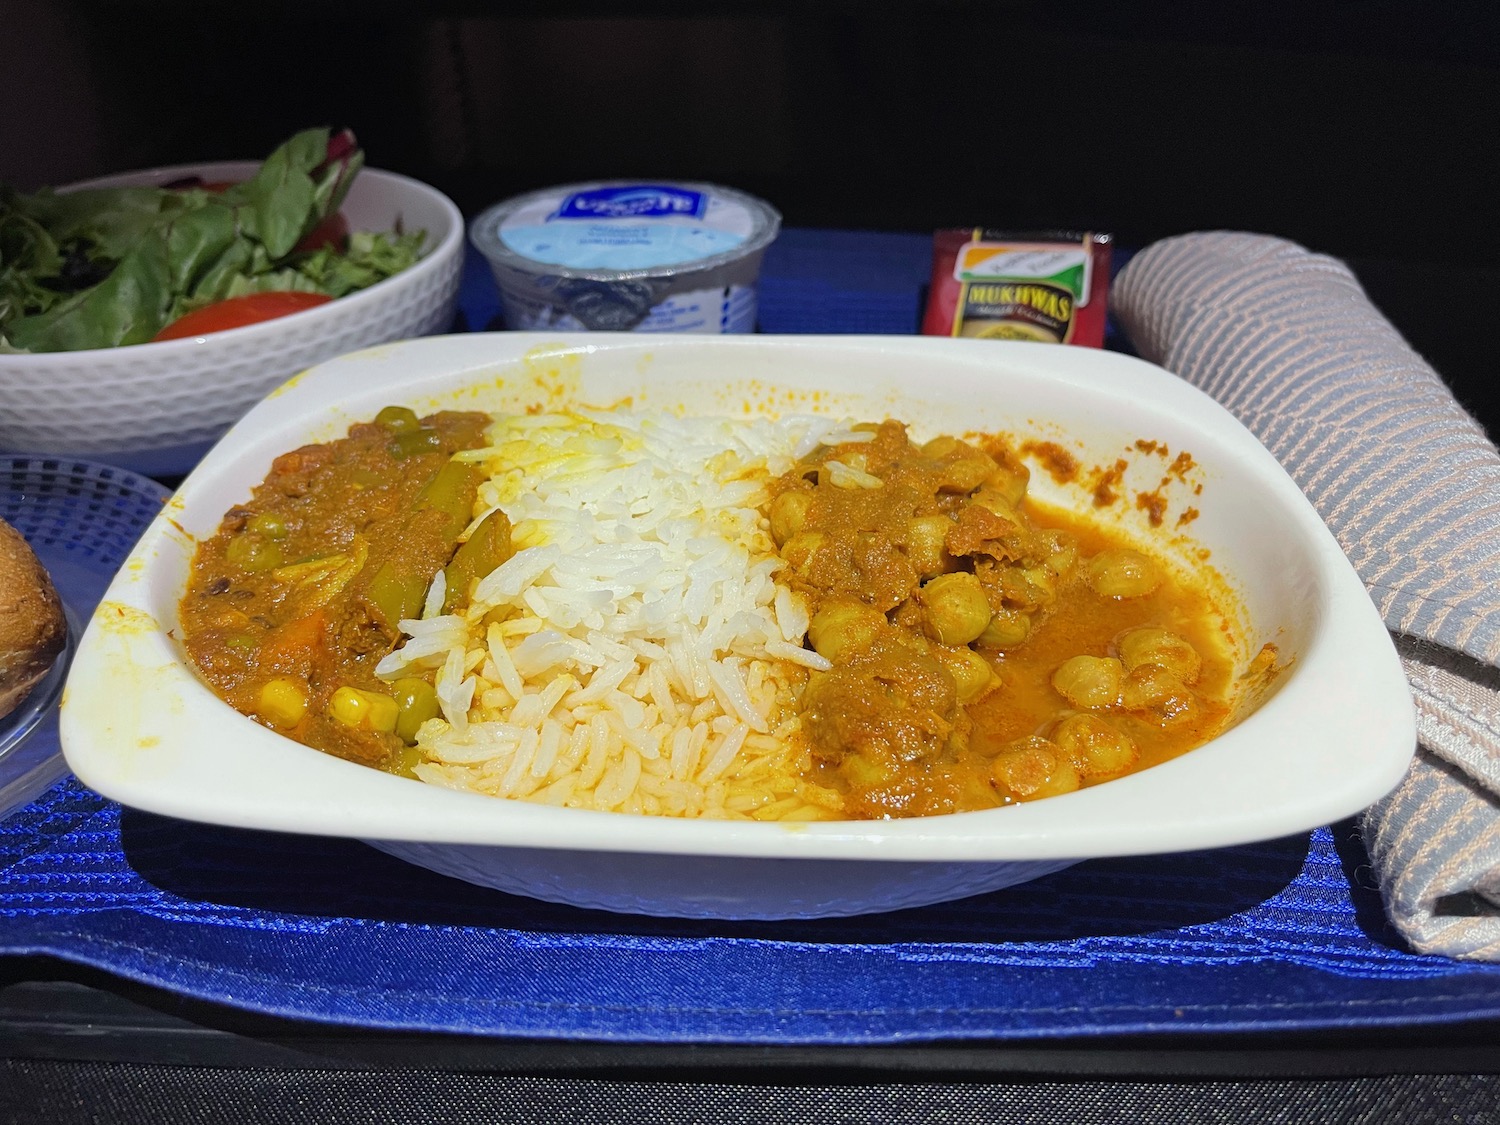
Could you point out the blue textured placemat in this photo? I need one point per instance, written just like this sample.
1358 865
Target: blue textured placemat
1279 935
1287 934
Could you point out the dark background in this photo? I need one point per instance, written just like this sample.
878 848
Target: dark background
1366 130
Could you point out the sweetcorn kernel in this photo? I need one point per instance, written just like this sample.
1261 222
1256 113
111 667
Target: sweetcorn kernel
364 710
283 702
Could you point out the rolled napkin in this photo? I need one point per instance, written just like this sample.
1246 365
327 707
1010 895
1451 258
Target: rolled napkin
1407 481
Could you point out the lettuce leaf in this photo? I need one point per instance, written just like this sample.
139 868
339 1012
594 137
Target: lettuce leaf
110 220
28 253
112 266
370 257
133 303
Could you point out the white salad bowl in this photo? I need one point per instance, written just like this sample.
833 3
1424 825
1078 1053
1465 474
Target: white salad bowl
156 408
1333 733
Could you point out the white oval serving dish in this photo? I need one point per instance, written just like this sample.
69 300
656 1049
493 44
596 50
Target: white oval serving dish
1334 734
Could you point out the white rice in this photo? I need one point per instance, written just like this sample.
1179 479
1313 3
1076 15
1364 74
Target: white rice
636 653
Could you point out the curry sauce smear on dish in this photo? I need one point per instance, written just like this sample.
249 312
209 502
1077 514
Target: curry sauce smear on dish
969 648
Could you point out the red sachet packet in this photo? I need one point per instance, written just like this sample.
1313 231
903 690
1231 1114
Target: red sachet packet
1019 285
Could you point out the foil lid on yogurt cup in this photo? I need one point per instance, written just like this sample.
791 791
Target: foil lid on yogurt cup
625 228
611 251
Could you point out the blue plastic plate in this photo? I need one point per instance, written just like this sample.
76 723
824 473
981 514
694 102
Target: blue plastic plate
81 519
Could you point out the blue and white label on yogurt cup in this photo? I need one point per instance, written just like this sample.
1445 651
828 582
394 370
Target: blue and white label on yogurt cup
626 227
634 201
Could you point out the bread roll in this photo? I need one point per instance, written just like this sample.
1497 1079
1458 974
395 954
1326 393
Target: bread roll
32 627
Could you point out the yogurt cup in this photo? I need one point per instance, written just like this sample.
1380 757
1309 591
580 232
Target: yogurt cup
626 255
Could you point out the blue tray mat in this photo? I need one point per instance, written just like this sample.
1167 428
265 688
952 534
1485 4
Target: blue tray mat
1279 935
1282 935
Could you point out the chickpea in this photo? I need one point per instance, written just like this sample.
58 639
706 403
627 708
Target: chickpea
1122 574
841 627
995 501
1089 681
1044 581
1096 747
1161 647
1026 588
1010 482
967 472
955 610
800 548
971 672
789 514
976 792
1007 629
1062 552
1155 693
1033 768
925 542
864 772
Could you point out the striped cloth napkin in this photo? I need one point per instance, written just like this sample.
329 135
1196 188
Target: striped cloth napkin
1409 484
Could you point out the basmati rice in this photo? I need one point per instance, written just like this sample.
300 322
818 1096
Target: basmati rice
636 653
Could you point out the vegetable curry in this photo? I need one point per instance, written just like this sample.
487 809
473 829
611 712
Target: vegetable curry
299 595
982 649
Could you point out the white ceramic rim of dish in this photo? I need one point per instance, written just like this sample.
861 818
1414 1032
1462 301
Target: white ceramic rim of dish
431 258
1291 766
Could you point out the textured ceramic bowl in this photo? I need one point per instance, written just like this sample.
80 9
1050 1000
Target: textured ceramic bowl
1334 733
156 408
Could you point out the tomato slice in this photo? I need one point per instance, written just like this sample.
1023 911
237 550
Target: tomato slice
236 312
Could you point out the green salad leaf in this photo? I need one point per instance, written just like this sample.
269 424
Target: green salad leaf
112 266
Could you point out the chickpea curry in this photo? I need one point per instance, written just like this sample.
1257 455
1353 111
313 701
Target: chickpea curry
980 649
984 650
